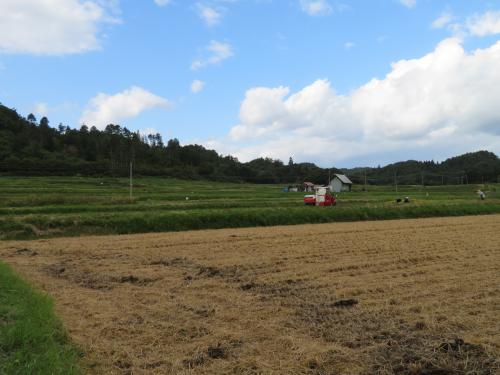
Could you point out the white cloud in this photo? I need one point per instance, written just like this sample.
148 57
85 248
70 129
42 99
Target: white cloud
106 109
442 21
53 27
408 3
349 45
217 52
41 109
162 3
197 86
316 7
208 14
484 24
477 25
444 99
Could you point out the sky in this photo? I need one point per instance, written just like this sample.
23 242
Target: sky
337 83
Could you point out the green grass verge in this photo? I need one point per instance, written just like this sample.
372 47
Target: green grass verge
32 339
163 221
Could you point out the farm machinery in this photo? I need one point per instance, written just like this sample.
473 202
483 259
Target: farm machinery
321 197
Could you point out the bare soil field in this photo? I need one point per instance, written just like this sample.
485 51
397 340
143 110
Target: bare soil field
390 297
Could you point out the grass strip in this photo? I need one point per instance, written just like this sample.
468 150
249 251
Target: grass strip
162 221
32 339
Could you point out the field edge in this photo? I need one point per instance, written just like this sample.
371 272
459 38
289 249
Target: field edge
32 338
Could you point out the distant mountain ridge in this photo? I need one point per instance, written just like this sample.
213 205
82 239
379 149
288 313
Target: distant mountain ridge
29 147
473 167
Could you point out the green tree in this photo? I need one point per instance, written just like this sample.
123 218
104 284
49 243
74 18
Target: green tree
31 118
44 122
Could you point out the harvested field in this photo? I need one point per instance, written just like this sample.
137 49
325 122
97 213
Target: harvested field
394 297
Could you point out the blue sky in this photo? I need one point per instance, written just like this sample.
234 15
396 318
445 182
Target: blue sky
271 78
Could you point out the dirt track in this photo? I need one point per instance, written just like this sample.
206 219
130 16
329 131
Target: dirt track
348 298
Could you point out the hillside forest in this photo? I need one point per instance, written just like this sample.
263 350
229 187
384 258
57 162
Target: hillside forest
31 147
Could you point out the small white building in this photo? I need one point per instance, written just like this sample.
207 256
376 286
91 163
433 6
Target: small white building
340 183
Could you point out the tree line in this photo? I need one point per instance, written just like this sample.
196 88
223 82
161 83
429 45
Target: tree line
30 147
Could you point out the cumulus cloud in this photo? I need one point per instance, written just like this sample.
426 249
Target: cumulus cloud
197 86
408 3
106 109
53 27
445 97
216 53
316 7
208 14
484 24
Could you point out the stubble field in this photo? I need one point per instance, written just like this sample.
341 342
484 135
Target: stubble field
392 297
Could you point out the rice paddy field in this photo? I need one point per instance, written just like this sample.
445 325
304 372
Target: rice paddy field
408 297
50 206
358 293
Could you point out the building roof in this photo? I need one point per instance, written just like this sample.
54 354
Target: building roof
343 178
307 183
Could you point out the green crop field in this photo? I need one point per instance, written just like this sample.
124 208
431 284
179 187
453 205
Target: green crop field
68 206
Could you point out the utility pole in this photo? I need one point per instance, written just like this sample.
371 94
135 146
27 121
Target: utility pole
131 182
329 179
365 180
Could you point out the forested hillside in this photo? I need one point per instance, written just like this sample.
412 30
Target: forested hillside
32 147
475 167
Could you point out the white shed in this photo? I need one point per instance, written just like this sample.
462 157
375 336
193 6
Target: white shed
340 183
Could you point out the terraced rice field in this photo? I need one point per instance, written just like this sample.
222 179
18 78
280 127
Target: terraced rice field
417 296
47 207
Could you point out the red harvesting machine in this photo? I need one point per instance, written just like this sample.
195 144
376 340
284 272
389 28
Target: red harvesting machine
322 197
